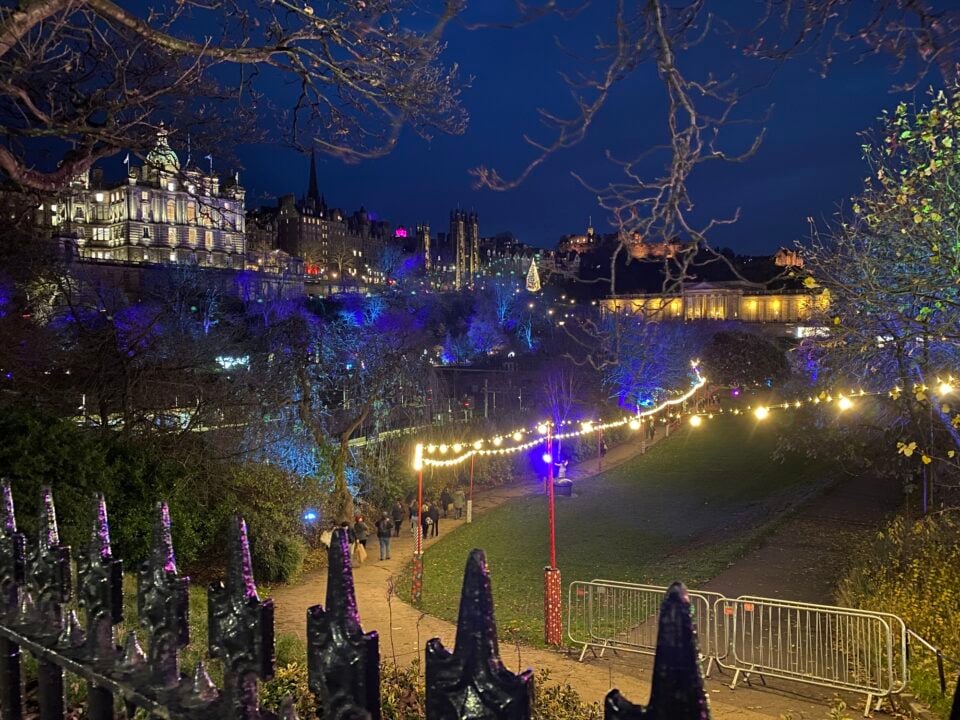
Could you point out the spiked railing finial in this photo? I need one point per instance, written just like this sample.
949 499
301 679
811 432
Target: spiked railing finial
472 676
343 663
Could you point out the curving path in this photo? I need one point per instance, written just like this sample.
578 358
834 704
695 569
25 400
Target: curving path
404 630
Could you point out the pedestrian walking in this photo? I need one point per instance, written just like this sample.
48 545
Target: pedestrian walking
427 521
435 519
413 514
445 501
384 533
397 515
603 448
459 502
360 532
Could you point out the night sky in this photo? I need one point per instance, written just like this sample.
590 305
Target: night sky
809 164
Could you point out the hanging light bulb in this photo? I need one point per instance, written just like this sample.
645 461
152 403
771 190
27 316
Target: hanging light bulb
634 424
517 436
542 428
844 403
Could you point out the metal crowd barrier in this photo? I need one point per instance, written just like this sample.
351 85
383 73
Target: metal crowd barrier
604 614
834 647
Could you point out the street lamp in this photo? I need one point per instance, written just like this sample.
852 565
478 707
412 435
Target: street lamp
417 584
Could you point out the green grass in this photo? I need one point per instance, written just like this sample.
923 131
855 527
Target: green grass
684 511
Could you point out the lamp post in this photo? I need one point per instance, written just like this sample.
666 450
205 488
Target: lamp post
600 449
417 584
470 499
552 590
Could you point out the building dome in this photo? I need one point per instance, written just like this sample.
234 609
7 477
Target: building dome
162 157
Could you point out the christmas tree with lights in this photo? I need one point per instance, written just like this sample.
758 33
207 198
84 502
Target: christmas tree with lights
533 278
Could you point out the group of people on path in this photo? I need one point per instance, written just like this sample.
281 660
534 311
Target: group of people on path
390 523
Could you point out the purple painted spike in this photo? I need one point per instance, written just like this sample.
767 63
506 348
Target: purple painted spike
9 520
49 534
240 572
341 596
101 531
163 540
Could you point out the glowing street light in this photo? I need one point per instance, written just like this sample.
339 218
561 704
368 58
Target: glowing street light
945 388
844 403
542 428
696 420
761 412
634 424
517 436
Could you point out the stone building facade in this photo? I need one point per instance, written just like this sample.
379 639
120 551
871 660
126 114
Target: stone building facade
163 213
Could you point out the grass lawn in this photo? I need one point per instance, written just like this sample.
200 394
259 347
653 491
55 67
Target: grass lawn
683 511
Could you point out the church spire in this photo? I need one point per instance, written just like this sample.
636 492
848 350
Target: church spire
313 191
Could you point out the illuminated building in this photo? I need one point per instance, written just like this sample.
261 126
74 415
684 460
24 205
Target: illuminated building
163 213
726 300
465 237
423 244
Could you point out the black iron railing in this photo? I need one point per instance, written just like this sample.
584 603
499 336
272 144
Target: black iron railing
36 592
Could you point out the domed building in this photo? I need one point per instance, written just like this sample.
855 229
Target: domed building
165 212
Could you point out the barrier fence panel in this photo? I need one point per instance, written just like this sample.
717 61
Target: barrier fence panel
604 614
840 648
834 647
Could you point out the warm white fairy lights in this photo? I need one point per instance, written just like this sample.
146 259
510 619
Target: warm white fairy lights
479 450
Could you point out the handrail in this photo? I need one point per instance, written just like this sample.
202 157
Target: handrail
939 655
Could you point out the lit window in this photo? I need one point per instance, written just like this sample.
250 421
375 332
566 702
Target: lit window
192 236
171 211
98 197
172 236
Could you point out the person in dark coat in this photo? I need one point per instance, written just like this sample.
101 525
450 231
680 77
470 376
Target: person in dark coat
413 514
434 513
397 514
445 500
384 531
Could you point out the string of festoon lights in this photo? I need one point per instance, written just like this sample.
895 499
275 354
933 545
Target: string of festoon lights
843 400
463 451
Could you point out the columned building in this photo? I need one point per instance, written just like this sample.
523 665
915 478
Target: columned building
163 213
726 301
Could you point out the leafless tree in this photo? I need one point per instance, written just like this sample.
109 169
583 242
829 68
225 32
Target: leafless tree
81 80
919 34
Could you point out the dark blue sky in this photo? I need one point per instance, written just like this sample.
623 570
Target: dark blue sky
809 163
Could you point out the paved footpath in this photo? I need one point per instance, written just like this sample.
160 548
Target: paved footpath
404 630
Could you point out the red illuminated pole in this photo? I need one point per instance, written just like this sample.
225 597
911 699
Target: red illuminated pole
417 584
420 512
470 501
599 449
552 591
553 524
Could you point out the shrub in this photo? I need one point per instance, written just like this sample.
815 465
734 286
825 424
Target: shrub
561 702
402 693
912 569
289 680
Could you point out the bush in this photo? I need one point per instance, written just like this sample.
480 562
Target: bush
134 473
561 702
912 569
289 680
402 693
